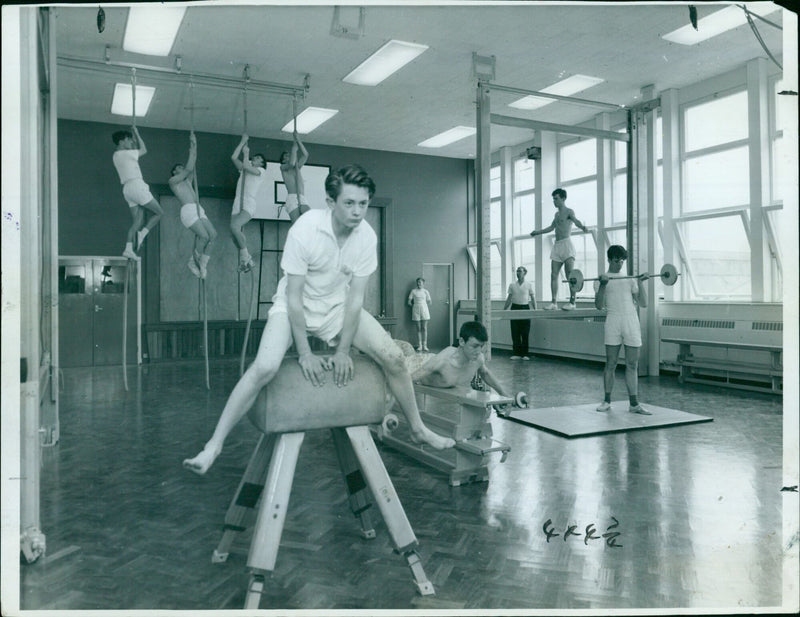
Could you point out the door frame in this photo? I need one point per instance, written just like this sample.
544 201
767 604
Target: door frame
450 296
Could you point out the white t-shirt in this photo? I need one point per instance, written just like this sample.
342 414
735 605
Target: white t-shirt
311 250
251 185
420 296
620 294
520 294
127 164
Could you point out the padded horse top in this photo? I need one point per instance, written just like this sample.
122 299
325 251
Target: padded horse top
290 403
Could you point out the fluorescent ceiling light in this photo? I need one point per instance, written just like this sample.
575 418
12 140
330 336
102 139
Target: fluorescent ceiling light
448 137
309 119
565 87
122 103
388 59
718 22
152 30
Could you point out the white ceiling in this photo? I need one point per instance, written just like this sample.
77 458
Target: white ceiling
534 45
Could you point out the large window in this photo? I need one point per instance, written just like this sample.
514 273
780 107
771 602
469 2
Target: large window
577 160
523 221
712 231
718 121
719 257
715 180
577 174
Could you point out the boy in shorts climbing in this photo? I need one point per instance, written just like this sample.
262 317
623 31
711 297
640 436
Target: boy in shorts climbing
130 146
251 176
193 216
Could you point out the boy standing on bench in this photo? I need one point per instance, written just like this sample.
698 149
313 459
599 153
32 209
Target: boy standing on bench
328 258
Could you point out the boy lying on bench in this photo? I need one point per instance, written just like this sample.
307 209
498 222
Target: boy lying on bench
455 366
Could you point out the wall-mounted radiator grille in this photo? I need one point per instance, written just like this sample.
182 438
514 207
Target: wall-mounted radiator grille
768 325
697 323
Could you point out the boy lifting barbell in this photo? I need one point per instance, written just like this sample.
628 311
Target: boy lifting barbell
620 296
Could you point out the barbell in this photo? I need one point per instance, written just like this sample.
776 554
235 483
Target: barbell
668 275
520 401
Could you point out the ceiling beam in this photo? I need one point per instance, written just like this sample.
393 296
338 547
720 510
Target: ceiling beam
557 97
167 75
536 125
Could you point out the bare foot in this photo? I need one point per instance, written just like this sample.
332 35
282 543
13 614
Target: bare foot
432 439
200 463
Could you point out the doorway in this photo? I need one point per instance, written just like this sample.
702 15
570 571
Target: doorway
91 292
439 283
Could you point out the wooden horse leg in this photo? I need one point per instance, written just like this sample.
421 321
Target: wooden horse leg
389 503
272 514
357 491
246 497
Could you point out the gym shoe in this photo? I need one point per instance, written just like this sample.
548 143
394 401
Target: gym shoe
525 358
640 410
604 406
193 267
551 307
570 306
203 266
130 255
425 348
516 357
140 236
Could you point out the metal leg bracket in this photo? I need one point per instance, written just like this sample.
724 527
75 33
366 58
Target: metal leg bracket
424 586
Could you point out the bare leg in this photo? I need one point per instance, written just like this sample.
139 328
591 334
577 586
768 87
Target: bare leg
238 221
612 356
157 211
204 232
209 234
632 370
568 265
276 339
555 269
424 328
137 216
373 340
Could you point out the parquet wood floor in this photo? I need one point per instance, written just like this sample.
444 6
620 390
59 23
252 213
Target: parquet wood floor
698 507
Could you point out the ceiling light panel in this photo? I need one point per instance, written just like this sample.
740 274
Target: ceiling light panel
152 29
390 58
309 119
718 22
122 103
565 87
448 137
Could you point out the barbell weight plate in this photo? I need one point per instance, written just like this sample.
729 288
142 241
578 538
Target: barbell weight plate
669 275
390 422
576 280
521 400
